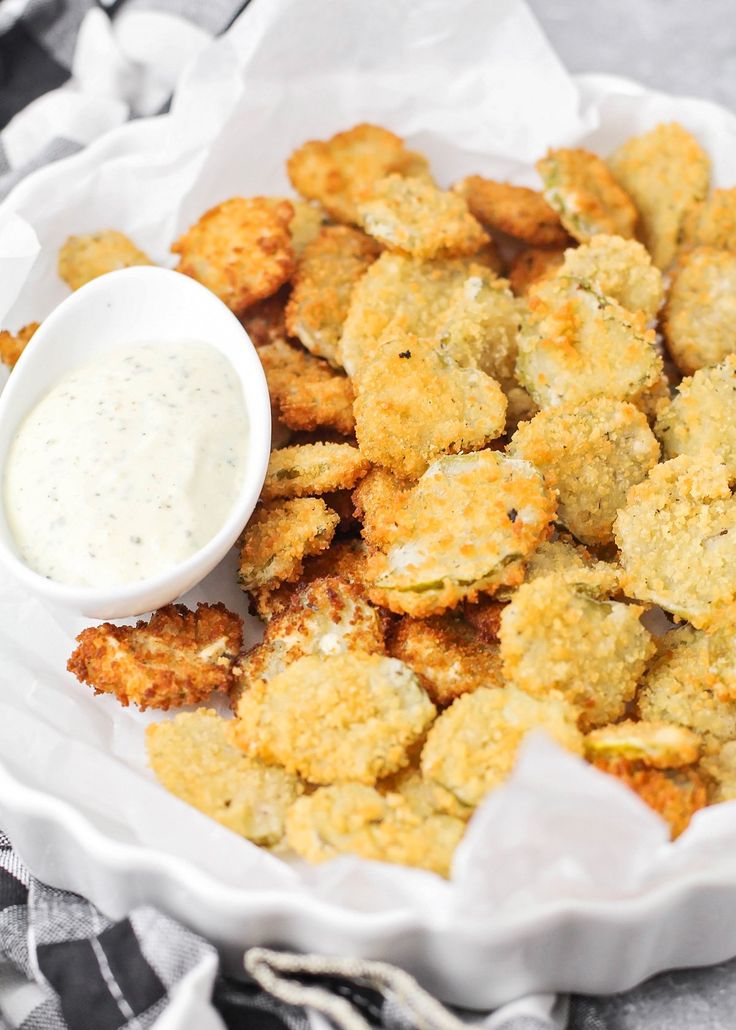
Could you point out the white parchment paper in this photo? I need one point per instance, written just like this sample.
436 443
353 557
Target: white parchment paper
476 87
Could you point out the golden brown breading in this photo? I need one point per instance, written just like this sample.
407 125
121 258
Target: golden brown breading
305 391
415 403
701 417
515 210
661 745
279 536
306 224
676 794
325 276
350 716
265 321
193 758
12 345
677 536
531 265
591 454
178 658
83 258
719 770
338 171
463 530
413 216
591 652
666 174
241 250
581 189
448 654
378 499
701 309
484 615
618 268
356 819
313 469
472 747
574 563
713 223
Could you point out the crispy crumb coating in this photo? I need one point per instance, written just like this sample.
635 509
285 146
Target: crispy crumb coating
378 498
83 258
556 639
618 268
352 818
579 344
448 654
677 536
12 345
339 171
331 718
313 469
660 745
415 403
515 210
279 536
305 391
241 250
574 563
701 417
484 615
306 224
328 270
463 530
193 758
719 770
265 321
177 658
581 189
676 794
666 174
472 747
590 454
701 309
532 265
713 223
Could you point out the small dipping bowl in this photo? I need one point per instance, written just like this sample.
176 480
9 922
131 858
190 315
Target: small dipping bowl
135 305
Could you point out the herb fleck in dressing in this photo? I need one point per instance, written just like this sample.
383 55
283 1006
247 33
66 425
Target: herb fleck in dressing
129 465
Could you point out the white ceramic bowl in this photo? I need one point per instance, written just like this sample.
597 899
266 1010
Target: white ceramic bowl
136 304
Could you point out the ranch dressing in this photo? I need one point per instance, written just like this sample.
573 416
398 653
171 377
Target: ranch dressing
129 465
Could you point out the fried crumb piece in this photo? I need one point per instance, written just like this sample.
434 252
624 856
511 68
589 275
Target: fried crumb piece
592 652
676 794
279 536
584 193
305 391
514 210
265 321
660 745
701 417
618 268
330 267
12 345
313 469
713 223
666 174
83 258
532 265
193 758
241 250
178 658
701 308
350 716
339 171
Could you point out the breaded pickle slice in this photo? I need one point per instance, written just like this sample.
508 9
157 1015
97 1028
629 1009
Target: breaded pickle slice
472 747
719 770
701 309
350 716
461 531
193 757
532 265
83 258
581 189
313 469
618 268
676 794
515 210
677 536
666 174
701 417
572 562
556 639
12 345
279 536
661 745
713 223
306 392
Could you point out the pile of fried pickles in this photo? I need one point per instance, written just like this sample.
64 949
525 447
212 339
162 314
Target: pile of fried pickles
504 445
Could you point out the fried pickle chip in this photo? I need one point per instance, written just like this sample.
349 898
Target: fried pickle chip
448 654
713 223
581 189
515 210
579 344
12 345
463 530
306 225
178 658
279 536
313 469
415 403
701 417
472 747
329 268
556 639
83 258
331 718
677 536
339 171
701 309
572 562
193 758
305 391
531 266
378 498
591 454
676 794
618 268
265 321
666 174
719 770
240 249
660 745
352 818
